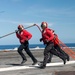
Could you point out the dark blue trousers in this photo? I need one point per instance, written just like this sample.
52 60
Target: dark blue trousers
25 46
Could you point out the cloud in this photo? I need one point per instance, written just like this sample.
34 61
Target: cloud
24 23
16 22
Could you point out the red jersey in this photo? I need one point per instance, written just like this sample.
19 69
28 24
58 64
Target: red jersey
47 35
23 36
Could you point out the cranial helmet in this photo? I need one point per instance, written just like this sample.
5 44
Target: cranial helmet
20 26
44 24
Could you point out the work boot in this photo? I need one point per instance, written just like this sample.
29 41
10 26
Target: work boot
23 61
68 58
47 62
41 61
64 60
41 66
34 62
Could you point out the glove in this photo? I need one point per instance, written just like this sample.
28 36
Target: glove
16 31
47 40
53 31
34 24
40 39
26 39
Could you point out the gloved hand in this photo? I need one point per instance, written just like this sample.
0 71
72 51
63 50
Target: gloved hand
53 31
40 39
26 39
47 40
34 24
16 31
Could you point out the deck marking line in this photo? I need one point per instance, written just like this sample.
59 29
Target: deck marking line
32 67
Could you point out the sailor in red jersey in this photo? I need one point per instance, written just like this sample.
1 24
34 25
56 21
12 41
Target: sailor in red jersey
24 36
48 38
58 48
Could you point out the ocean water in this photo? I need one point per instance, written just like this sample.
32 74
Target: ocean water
14 47
31 46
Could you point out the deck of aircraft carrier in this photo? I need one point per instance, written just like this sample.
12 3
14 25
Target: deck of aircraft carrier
10 65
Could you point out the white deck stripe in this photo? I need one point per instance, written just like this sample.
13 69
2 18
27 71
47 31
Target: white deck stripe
31 67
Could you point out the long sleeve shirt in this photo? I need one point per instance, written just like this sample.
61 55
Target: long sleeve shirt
47 35
23 36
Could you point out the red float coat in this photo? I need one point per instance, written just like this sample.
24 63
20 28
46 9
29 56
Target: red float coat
47 35
23 36
56 40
